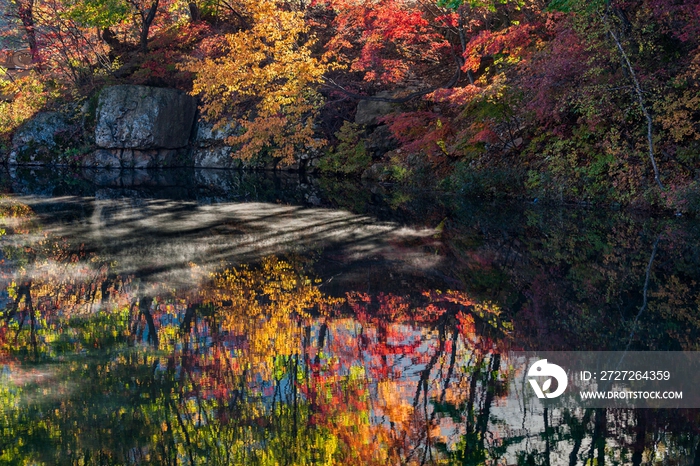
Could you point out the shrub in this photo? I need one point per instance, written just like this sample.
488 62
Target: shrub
350 155
489 182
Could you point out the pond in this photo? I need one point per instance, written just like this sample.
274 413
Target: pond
213 317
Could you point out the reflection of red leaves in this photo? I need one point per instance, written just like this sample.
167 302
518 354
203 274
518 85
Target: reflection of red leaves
387 307
450 296
430 313
466 324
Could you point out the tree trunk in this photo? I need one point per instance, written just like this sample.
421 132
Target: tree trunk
144 309
640 438
194 12
25 11
110 38
147 21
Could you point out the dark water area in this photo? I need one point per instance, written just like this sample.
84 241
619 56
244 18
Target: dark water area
213 317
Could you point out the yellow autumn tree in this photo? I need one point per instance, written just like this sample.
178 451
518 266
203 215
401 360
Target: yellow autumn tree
267 78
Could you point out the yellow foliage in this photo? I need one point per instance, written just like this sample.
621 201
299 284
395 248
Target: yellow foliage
269 69
26 96
393 402
268 305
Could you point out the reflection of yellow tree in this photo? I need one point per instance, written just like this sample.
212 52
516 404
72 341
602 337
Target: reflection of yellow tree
268 307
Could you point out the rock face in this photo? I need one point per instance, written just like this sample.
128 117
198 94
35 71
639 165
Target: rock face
379 142
37 141
210 148
368 111
134 158
207 136
138 127
215 157
144 118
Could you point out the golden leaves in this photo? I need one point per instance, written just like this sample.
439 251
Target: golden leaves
267 78
26 96
268 306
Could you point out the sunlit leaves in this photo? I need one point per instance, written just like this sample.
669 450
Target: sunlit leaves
384 40
505 47
569 5
28 95
267 79
489 5
98 13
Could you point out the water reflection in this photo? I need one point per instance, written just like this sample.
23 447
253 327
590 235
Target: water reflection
148 331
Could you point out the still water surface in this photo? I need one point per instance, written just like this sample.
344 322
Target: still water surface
226 318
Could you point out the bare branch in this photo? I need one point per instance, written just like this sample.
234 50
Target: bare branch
640 99
395 100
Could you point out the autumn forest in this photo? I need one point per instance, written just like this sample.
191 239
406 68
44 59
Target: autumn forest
563 100
341 232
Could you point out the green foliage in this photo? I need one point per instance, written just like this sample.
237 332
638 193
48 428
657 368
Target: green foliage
689 155
588 166
350 156
398 170
486 182
573 5
98 13
488 5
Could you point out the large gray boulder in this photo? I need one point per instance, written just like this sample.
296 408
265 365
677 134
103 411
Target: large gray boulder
41 130
141 117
